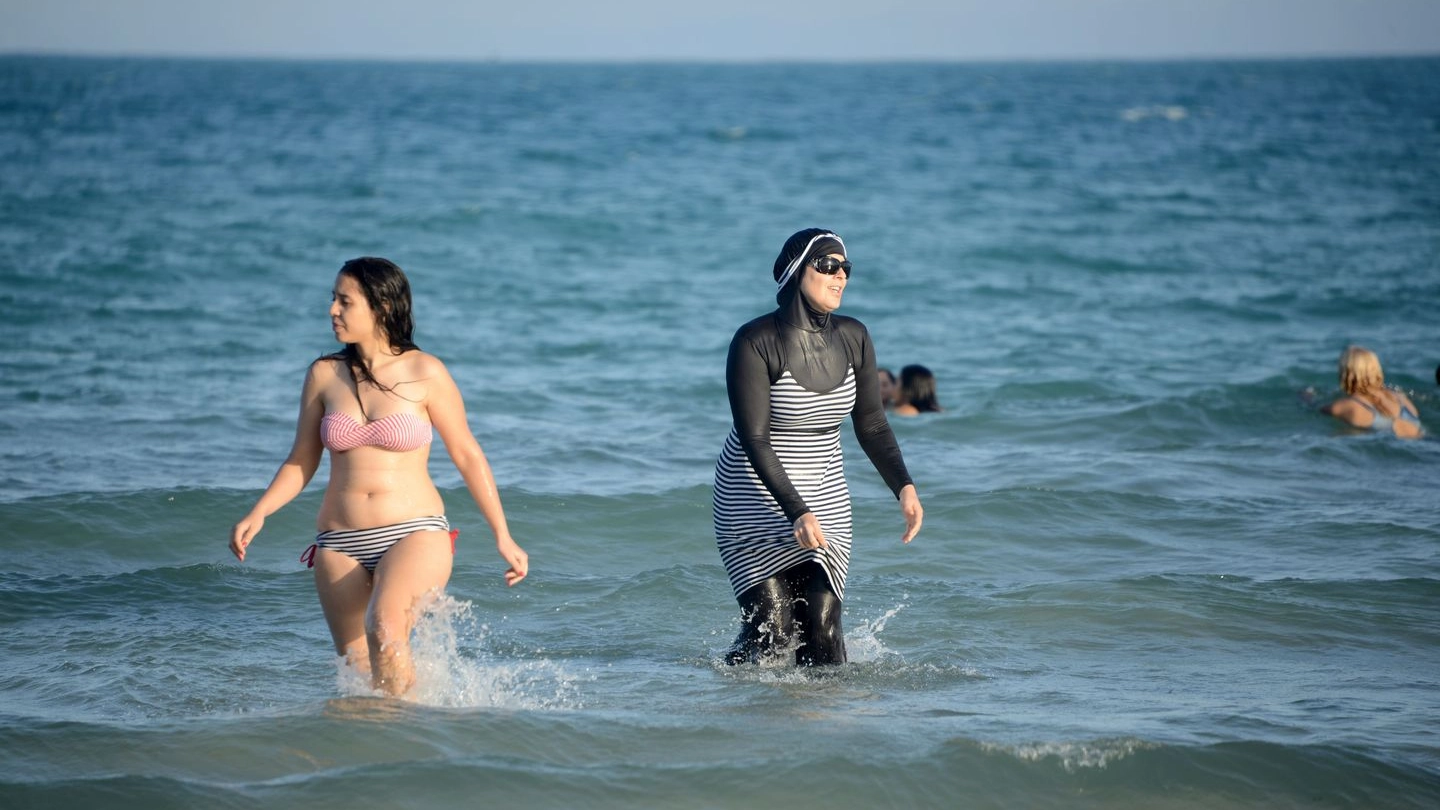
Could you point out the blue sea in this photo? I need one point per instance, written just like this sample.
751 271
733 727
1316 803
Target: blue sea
1151 575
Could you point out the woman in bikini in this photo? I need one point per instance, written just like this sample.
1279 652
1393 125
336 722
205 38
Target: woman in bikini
1368 402
384 548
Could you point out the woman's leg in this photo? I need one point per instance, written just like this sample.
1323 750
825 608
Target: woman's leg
408 577
767 622
795 606
343 586
817 616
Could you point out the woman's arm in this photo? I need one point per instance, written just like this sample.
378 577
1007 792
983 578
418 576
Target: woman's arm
447 413
872 428
294 473
876 438
747 383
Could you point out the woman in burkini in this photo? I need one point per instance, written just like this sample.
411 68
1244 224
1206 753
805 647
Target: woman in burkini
1368 402
781 504
384 548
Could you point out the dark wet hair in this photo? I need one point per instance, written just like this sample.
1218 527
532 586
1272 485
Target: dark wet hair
792 248
917 387
387 291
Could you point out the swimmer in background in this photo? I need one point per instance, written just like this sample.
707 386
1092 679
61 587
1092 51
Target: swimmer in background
1368 402
888 388
917 392
384 548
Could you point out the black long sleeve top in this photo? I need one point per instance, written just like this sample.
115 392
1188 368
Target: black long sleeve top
817 348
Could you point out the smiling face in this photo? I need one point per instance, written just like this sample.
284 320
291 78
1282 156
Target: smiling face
821 290
351 317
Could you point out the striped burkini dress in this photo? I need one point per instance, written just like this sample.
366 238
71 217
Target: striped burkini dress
755 539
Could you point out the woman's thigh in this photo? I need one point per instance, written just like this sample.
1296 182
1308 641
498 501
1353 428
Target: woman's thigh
344 588
412 572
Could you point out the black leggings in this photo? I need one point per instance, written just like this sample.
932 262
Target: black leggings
795 609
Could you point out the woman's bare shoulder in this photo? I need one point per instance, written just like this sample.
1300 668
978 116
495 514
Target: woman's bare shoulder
1350 410
324 368
425 365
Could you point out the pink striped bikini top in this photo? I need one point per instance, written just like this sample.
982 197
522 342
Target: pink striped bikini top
398 431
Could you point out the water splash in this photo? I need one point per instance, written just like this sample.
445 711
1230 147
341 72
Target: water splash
863 643
452 669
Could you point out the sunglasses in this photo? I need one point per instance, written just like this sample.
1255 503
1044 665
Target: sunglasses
830 265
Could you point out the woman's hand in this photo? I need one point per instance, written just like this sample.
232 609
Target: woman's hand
243 533
807 531
913 512
519 561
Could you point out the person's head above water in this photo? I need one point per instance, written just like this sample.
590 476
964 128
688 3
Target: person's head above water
888 386
1360 371
917 388
387 292
812 262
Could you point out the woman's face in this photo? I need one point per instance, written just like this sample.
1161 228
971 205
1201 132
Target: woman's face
821 290
350 315
887 388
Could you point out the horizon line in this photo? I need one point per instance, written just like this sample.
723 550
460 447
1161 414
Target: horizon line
698 60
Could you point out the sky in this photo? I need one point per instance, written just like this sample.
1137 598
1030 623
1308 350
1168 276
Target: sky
722 30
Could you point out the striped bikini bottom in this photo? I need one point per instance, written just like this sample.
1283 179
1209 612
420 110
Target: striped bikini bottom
368 545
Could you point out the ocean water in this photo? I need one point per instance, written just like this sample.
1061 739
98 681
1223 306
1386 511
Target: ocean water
1150 576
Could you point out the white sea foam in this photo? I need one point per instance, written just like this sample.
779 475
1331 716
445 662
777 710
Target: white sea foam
1169 112
452 668
1074 756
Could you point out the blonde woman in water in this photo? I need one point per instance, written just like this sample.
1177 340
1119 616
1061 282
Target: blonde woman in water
384 548
1368 402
